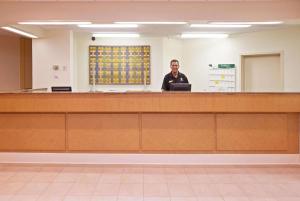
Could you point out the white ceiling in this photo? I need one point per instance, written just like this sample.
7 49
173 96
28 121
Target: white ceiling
104 11
141 0
192 11
160 30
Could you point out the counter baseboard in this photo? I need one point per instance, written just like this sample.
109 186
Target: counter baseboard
151 159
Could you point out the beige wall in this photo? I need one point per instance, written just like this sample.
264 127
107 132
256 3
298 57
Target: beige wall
172 49
71 50
199 53
9 62
53 49
194 56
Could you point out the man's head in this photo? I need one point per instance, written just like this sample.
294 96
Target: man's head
174 65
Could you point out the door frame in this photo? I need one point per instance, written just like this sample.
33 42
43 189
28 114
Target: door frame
25 67
281 66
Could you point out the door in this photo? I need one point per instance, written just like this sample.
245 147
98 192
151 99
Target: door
262 73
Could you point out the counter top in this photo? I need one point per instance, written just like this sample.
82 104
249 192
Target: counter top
150 102
137 92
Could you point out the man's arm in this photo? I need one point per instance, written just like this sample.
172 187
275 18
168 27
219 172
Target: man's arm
164 84
186 80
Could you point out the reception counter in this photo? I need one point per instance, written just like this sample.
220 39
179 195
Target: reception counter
152 122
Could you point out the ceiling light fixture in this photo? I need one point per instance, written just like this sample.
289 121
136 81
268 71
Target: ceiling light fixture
251 23
154 23
108 25
20 32
53 23
203 35
219 25
116 35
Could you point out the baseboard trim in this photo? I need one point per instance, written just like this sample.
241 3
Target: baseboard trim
167 159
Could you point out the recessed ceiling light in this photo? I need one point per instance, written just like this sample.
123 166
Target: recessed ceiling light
116 35
219 25
171 23
17 31
251 23
108 25
52 23
203 35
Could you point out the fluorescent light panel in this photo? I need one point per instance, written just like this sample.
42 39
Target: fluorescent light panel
151 23
17 31
203 35
247 23
219 25
108 25
53 23
116 35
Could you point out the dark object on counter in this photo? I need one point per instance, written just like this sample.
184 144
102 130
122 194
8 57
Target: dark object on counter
180 87
61 88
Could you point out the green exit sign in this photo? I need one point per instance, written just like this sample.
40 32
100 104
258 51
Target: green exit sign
226 65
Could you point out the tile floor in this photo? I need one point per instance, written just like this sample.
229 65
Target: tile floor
148 183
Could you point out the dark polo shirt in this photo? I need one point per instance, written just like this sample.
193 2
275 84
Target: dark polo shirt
169 78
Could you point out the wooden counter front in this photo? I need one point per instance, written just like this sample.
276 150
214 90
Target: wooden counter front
150 122
150 102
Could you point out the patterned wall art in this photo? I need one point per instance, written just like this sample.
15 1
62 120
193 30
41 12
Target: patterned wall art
119 65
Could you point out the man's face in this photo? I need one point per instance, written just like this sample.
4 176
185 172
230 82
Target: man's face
174 67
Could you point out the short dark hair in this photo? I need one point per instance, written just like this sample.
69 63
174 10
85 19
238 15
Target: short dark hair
174 60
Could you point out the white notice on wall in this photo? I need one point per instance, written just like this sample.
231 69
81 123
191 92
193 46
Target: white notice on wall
222 77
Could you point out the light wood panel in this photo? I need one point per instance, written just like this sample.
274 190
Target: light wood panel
32 132
252 132
150 132
103 132
150 122
151 102
178 132
293 132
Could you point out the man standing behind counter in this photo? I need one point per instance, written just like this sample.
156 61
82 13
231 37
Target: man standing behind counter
174 76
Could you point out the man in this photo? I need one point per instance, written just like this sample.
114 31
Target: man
174 76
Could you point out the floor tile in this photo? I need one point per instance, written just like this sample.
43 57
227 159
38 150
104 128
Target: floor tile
107 189
180 190
156 190
134 190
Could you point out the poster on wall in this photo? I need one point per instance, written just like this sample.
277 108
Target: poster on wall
222 78
119 65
